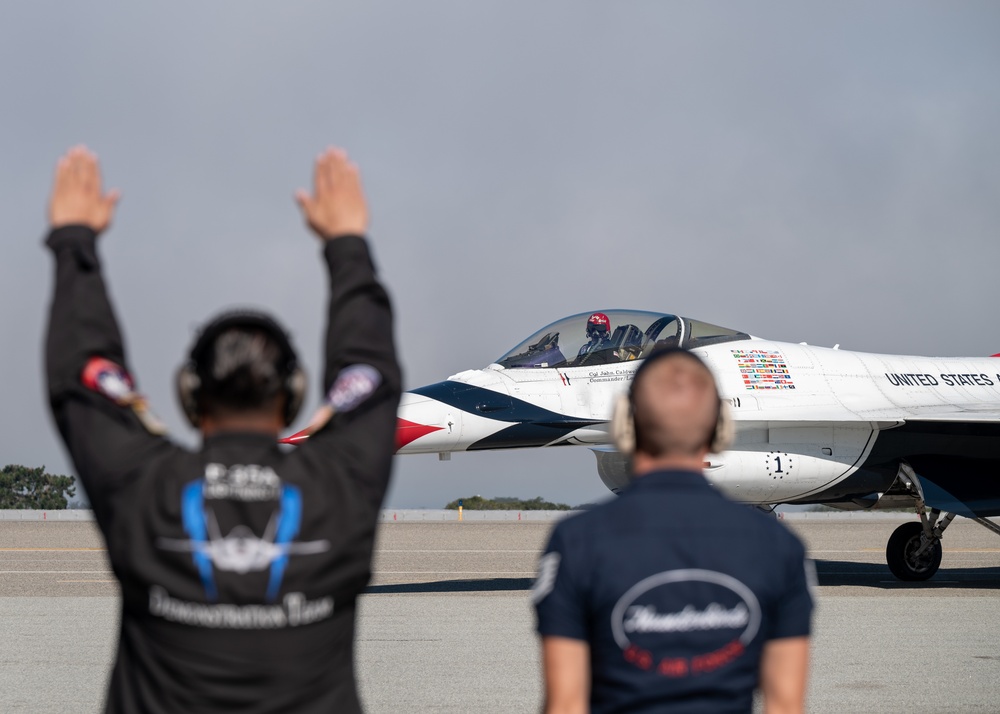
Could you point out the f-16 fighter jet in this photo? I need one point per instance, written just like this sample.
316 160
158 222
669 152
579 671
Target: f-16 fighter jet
813 425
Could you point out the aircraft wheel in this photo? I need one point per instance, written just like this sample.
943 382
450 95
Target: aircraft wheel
899 553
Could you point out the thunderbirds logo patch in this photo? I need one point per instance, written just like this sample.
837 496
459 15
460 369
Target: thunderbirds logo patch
682 623
763 369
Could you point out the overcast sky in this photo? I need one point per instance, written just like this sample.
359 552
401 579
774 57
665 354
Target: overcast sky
804 172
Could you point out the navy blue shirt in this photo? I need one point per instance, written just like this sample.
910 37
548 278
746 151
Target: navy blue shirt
676 589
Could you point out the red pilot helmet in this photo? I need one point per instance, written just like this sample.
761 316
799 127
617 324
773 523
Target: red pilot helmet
598 325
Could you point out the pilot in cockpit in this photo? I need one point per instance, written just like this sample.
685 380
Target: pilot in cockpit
596 349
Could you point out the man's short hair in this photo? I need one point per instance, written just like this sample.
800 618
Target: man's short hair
675 404
242 371
241 361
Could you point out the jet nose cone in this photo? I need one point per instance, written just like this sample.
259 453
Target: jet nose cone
425 425
407 431
296 438
418 416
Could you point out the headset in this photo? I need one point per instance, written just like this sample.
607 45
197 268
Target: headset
189 377
623 420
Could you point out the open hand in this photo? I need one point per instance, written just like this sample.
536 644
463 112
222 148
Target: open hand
337 206
76 193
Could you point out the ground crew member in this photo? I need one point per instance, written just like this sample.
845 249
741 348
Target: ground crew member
672 598
240 564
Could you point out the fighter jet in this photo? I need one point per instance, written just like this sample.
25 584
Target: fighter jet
814 425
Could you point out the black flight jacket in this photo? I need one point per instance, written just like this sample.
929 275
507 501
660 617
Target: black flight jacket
240 564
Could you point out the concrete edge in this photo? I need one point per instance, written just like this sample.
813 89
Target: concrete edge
57 515
412 515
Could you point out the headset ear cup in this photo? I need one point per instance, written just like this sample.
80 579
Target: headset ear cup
295 392
722 439
623 426
188 384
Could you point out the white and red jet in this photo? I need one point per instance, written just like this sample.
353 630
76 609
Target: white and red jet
813 425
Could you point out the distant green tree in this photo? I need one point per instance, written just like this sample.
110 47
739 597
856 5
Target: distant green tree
478 503
24 487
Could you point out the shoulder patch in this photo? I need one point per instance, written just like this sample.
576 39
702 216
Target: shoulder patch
353 385
548 567
112 381
812 582
109 379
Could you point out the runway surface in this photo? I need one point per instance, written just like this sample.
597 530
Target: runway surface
447 626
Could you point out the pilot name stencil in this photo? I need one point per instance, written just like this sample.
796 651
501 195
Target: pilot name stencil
949 379
608 375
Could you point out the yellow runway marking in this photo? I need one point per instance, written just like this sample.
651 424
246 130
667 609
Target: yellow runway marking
52 550
51 572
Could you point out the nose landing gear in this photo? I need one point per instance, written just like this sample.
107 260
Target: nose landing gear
914 549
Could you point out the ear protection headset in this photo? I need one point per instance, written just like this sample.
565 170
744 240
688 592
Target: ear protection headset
623 419
190 379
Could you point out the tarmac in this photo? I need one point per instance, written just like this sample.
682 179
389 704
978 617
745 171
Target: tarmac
446 625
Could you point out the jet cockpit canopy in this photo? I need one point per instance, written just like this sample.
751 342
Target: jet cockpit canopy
628 335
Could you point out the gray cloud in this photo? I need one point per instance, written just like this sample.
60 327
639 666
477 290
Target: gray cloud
823 174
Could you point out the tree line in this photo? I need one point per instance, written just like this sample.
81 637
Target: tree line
26 487
478 503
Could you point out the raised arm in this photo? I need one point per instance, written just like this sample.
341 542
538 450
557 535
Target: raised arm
102 419
361 381
81 321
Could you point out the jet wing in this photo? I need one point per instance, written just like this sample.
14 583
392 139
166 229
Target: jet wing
835 414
